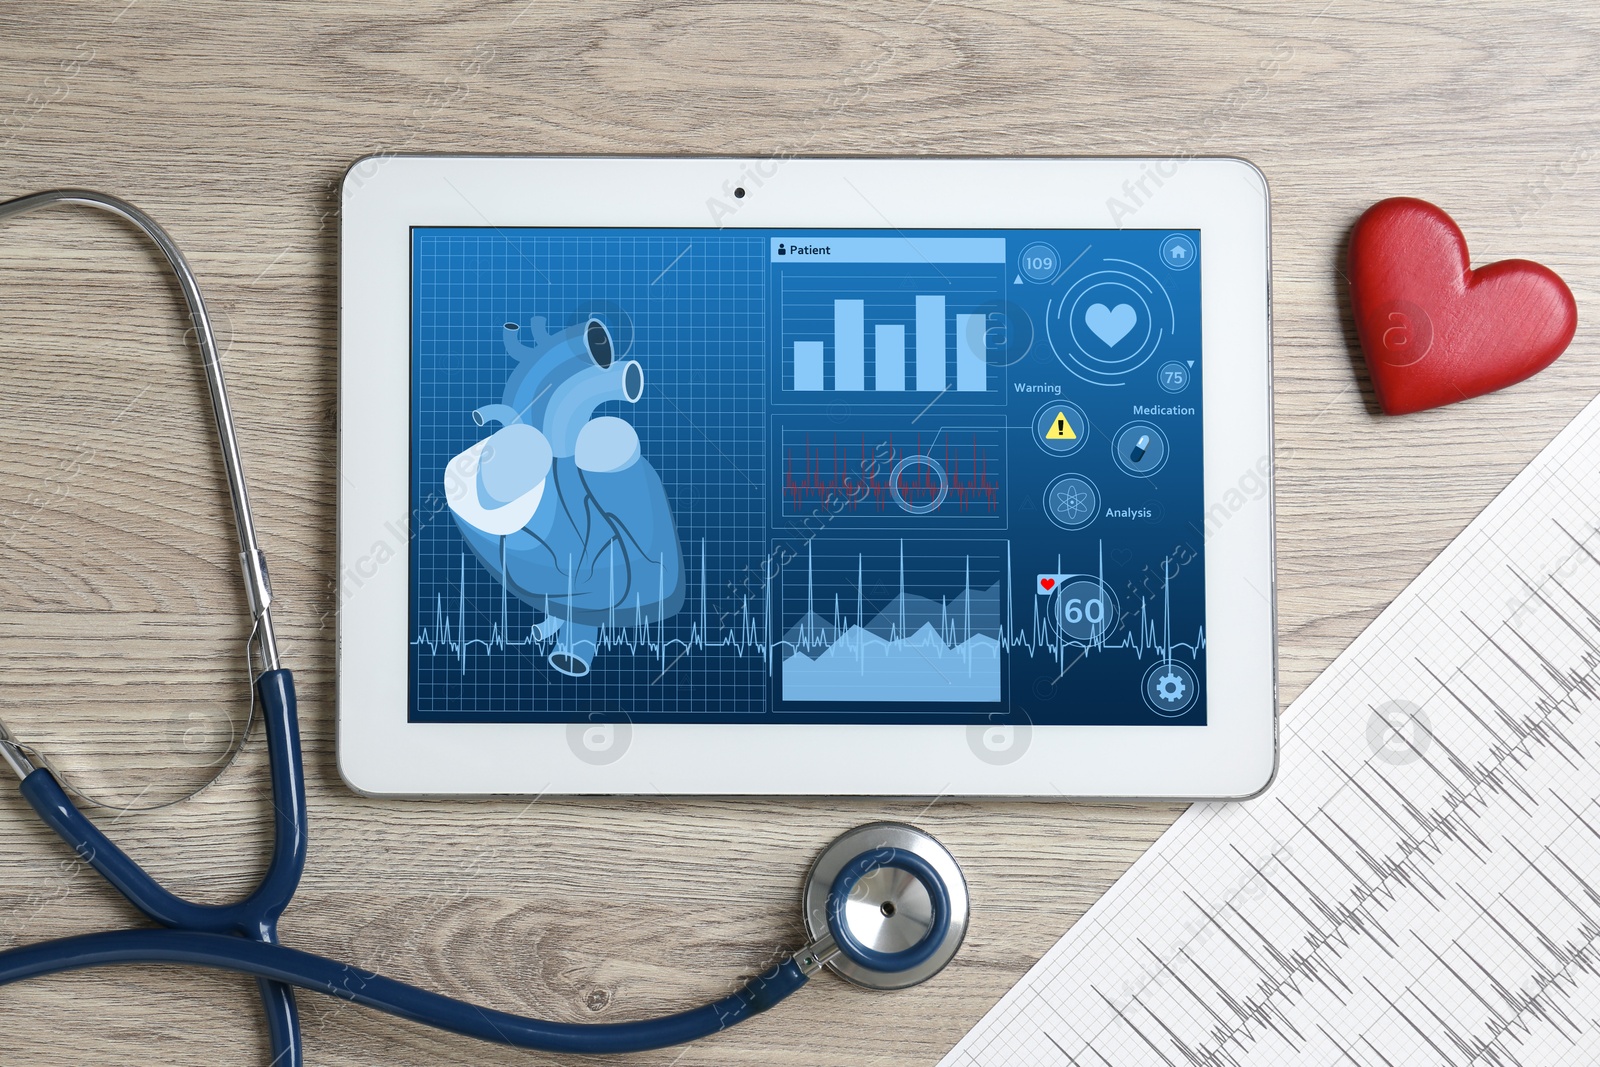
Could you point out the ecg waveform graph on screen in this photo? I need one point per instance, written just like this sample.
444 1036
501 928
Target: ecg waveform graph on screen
944 475
924 627
483 626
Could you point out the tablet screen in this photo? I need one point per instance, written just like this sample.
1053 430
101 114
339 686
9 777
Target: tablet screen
696 475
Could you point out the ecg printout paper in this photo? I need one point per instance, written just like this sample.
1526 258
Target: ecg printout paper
1421 885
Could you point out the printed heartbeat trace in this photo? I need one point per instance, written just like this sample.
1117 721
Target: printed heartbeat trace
1422 883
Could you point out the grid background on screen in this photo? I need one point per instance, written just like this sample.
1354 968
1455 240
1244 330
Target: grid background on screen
689 309
718 323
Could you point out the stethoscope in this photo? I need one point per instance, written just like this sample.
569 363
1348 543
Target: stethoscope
885 905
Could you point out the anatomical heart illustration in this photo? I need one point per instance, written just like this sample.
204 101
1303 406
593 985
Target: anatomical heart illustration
559 504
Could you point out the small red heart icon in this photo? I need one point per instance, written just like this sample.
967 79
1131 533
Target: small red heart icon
1435 331
1047 584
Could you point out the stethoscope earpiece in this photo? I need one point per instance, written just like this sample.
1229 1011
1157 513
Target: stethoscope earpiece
886 906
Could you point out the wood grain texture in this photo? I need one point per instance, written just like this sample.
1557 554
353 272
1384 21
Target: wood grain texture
232 123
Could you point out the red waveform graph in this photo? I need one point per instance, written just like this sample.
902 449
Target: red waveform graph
946 472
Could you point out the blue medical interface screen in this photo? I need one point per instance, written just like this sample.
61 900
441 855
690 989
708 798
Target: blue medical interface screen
694 475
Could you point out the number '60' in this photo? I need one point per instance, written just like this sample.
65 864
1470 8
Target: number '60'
1076 611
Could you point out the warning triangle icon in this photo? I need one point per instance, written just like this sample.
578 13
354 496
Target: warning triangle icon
1061 429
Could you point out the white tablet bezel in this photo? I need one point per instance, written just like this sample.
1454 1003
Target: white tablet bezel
381 752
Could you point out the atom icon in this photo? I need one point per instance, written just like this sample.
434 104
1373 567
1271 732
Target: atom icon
1072 503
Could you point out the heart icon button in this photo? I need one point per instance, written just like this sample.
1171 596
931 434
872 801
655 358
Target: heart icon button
1110 324
1047 584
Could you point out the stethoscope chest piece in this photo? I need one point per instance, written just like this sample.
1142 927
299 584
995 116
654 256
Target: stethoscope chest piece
892 900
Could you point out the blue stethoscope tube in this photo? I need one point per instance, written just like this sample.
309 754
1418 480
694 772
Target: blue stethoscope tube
242 937
287 966
256 916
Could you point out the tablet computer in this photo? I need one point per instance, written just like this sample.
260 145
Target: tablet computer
805 476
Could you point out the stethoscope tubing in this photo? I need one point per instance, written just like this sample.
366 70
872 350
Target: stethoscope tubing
289 966
242 937
257 914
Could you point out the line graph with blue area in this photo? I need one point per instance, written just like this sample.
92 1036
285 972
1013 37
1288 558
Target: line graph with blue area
687 475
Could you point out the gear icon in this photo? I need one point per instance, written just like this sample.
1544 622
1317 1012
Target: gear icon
1170 687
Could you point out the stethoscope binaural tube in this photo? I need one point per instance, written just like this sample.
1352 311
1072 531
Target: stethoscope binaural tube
258 587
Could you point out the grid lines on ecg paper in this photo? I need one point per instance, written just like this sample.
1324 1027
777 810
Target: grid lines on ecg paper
1416 888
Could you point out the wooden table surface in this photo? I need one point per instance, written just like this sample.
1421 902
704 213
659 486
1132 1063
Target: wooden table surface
231 123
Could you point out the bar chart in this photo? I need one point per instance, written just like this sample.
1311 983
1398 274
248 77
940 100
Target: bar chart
893 332
932 338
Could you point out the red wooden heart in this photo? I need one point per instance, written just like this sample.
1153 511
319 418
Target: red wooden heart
1433 330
